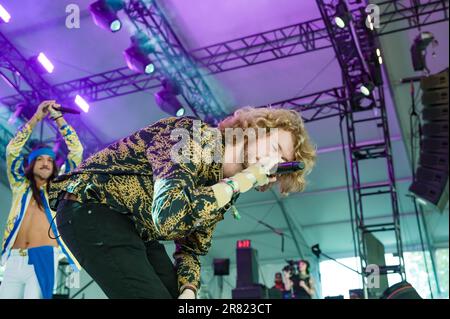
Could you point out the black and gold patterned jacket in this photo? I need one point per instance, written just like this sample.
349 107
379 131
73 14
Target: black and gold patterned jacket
167 200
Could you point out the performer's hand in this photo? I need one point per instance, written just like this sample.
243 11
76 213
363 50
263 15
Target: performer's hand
302 284
257 175
54 111
43 109
269 165
187 294
252 176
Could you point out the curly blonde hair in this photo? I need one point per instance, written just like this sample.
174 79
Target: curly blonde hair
289 120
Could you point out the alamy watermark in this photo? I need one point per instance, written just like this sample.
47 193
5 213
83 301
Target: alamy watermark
373 276
206 145
373 16
73 17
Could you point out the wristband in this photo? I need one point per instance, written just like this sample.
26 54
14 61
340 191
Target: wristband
233 184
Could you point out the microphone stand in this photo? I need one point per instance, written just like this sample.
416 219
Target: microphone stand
316 251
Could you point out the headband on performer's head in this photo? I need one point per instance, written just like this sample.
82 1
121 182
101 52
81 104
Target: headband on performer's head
41 151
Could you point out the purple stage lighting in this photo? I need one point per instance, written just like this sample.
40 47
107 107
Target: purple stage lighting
367 88
104 13
169 103
343 16
167 99
82 103
4 15
138 61
45 62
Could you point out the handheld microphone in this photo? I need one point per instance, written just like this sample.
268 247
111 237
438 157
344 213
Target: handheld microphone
288 167
279 169
63 109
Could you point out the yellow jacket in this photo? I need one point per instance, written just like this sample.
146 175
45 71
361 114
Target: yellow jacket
21 187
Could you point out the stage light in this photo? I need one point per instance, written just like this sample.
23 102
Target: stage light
82 103
137 55
169 103
138 61
104 13
4 15
380 59
180 112
343 17
45 62
167 99
418 50
41 64
367 88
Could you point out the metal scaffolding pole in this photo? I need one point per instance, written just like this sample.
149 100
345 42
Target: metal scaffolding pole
33 88
355 47
271 45
172 59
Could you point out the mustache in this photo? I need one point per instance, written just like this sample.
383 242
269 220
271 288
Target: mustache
44 167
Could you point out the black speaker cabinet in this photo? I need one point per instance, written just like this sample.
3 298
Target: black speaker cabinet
431 181
247 267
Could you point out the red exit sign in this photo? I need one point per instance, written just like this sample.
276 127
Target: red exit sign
246 243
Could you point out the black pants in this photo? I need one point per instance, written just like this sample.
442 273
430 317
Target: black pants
108 247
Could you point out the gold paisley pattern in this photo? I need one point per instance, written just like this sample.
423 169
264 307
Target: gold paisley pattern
167 200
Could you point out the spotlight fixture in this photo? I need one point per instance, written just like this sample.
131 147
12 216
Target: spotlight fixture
418 50
4 15
136 56
42 64
379 57
367 87
167 99
343 16
104 13
138 61
82 103
169 103
45 62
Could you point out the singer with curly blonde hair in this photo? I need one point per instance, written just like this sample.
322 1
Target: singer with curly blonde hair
162 183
